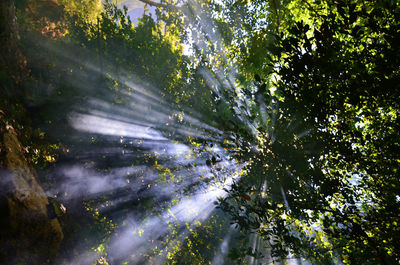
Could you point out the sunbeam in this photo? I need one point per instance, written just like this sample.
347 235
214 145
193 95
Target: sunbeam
199 132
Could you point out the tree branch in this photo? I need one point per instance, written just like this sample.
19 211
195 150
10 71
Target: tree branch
152 3
310 6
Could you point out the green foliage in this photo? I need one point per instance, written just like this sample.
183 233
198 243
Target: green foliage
309 89
87 10
329 153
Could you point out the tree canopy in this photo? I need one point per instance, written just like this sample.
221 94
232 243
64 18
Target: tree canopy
291 106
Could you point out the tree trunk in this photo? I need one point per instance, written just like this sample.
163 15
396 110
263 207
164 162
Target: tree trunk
27 234
12 62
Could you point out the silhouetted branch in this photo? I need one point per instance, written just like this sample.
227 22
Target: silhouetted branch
152 3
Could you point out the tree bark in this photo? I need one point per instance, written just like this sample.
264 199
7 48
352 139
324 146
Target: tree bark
27 234
12 62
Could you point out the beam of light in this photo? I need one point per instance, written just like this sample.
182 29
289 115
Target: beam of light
93 124
222 252
143 127
118 125
126 242
78 179
220 79
147 107
197 207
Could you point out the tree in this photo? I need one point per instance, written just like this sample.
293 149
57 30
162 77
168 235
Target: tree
324 103
330 158
26 230
307 90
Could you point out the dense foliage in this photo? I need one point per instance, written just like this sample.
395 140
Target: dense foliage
329 155
302 96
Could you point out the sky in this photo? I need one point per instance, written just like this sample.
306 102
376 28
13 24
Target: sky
136 8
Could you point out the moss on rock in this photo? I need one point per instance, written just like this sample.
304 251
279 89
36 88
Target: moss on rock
30 235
